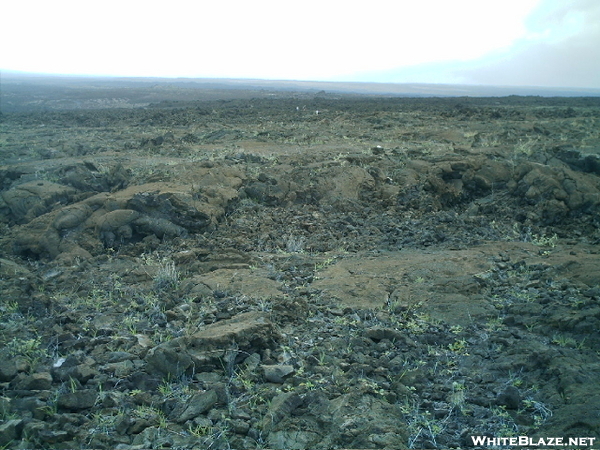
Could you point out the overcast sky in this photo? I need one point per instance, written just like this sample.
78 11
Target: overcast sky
508 42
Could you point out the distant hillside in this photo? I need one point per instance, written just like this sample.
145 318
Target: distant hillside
31 92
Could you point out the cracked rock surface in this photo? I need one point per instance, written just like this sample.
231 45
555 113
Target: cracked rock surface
389 273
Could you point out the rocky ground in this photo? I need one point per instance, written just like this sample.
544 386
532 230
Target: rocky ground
300 272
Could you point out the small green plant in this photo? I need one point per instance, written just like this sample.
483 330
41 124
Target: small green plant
166 389
5 414
51 407
322 357
29 349
308 385
8 310
200 431
131 323
371 387
494 324
264 304
24 347
523 148
152 414
163 423
456 329
544 241
411 321
515 379
179 390
323 264
564 341
423 427
104 423
506 425
459 346
243 379
541 413
457 396
167 276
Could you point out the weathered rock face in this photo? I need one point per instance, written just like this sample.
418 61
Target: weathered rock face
276 373
78 400
579 160
196 405
380 424
555 191
36 382
82 229
559 192
30 200
10 431
248 333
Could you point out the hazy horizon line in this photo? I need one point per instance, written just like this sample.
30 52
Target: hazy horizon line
292 80
420 89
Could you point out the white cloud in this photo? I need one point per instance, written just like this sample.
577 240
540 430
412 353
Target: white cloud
562 49
314 39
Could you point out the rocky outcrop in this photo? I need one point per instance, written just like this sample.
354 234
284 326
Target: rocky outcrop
107 220
246 333
29 200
